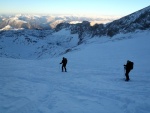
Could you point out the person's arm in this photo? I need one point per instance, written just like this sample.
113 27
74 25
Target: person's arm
61 62
125 66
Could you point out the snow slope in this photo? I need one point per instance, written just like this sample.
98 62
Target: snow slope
94 82
36 44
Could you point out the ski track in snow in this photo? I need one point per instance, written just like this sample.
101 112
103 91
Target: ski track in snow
94 82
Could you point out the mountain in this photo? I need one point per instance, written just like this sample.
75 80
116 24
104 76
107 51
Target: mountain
47 22
65 37
139 20
95 77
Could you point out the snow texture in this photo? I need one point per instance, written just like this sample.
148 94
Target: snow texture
31 44
94 82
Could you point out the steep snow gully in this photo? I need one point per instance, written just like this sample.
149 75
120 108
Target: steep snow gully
94 82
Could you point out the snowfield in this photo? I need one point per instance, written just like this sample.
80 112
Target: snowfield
94 82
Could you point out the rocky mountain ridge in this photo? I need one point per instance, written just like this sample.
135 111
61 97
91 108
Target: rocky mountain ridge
139 20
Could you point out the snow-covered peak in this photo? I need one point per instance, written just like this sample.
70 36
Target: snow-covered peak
8 27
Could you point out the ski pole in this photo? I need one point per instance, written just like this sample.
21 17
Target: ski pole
59 67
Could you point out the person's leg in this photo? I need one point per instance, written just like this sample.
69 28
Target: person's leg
65 68
62 68
127 75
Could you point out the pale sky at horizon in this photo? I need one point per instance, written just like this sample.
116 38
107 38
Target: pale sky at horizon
82 7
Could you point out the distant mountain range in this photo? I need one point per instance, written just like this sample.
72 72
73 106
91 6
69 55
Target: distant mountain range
24 36
47 22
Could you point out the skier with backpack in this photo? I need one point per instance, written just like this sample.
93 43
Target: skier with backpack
128 67
64 63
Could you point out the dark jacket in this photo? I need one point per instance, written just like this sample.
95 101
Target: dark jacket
64 61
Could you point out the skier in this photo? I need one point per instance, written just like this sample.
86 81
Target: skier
64 63
128 67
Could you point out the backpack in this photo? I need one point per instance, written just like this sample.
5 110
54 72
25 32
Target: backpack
130 64
65 60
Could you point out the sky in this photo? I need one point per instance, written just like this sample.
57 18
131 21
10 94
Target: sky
80 7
